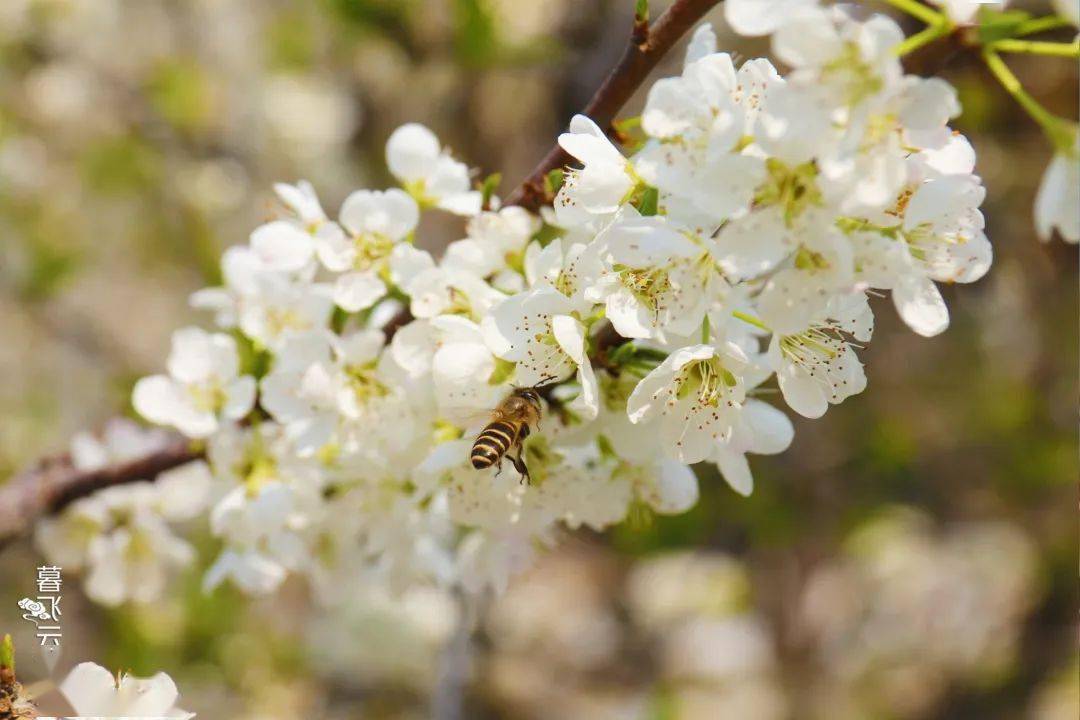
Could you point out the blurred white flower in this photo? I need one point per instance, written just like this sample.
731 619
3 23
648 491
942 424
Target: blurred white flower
203 385
429 173
95 692
1057 204
121 440
121 537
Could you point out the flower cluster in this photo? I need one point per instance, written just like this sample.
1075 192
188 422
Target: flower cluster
122 537
736 238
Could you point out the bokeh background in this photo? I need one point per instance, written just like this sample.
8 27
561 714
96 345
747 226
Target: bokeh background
913 555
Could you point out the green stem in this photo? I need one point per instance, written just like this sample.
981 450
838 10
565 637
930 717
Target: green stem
924 37
738 314
1060 133
706 331
917 9
1042 24
1035 47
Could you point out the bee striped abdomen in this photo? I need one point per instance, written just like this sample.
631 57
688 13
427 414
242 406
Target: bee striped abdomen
492 444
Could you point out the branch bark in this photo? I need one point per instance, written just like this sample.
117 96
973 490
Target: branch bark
54 483
648 43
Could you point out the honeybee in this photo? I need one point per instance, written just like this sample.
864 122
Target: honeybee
511 422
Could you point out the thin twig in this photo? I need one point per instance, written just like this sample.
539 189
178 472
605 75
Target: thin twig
647 44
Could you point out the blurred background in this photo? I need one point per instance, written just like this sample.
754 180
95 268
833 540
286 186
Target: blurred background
913 555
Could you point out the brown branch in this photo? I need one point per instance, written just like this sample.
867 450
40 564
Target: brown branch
648 43
55 482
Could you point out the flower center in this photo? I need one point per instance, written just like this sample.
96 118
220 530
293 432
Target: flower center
364 384
856 77
648 285
807 259
709 380
370 249
207 398
279 320
792 188
813 347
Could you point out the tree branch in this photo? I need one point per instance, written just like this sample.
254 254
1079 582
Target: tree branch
54 483
648 43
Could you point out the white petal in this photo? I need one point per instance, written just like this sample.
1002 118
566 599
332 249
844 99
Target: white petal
90 689
239 397
183 491
920 305
336 251
158 399
393 213
281 246
190 358
588 143
570 334
804 394
413 346
630 317
87 452
408 262
736 470
702 43
1057 203
587 404
412 152
759 17
771 428
676 488
358 290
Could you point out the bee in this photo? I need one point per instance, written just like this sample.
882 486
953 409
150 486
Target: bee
511 422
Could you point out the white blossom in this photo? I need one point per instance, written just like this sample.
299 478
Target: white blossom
204 385
1057 204
602 184
696 394
415 157
374 224
93 691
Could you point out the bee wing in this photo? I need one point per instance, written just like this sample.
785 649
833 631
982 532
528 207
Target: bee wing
470 419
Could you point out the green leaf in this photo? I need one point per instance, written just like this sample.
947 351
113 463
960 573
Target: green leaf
641 11
254 361
998 25
648 202
488 188
338 320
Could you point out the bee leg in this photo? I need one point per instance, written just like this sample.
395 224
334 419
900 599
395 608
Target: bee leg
521 467
498 468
